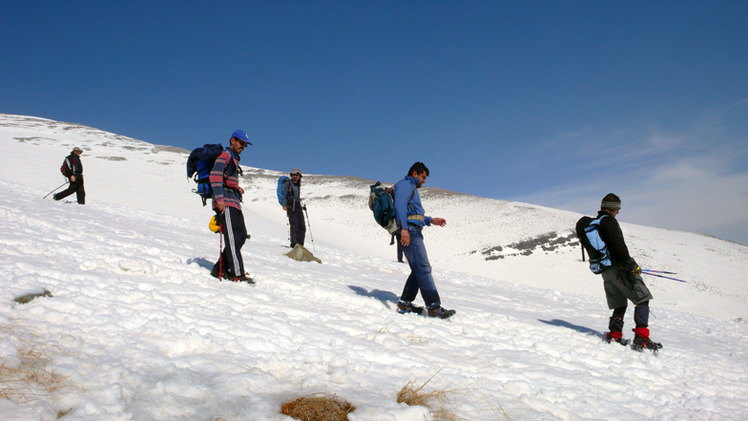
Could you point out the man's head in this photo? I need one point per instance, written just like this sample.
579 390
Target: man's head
77 151
611 204
295 175
239 141
419 171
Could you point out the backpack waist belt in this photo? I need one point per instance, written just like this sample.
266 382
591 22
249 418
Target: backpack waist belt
416 217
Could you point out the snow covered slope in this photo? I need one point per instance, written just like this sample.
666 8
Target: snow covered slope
536 243
136 329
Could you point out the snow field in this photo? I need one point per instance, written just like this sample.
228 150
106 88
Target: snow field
141 331
138 330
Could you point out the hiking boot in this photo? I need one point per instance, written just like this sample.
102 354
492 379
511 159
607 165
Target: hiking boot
616 337
642 341
244 278
216 273
405 308
441 312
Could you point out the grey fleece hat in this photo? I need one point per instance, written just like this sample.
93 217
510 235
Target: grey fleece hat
611 201
296 171
77 149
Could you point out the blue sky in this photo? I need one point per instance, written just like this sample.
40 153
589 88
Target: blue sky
549 102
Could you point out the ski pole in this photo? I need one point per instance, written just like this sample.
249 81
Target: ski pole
220 252
55 189
659 271
310 228
661 276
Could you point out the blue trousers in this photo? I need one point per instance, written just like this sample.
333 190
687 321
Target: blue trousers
420 271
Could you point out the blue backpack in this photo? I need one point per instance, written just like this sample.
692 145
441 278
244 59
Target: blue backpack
588 231
199 165
279 191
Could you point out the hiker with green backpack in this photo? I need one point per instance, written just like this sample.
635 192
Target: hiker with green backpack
411 219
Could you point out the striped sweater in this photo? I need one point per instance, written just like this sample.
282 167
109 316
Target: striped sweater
224 180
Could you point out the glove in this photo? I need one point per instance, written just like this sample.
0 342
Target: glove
214 225
632 267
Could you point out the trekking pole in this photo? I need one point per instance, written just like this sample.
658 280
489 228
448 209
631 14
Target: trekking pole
661 276
58 188
310 228
659 271
220 252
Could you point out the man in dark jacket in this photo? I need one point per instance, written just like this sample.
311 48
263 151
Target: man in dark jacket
72 169
622 280
293 207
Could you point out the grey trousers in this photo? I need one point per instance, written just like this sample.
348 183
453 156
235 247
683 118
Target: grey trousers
621 286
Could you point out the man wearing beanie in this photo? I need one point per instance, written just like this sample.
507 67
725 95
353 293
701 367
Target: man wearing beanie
622 280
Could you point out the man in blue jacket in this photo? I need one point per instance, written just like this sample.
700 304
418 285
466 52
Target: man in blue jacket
411 219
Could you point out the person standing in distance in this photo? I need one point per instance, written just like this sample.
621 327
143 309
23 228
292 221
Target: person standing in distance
411 219
227 197
293 207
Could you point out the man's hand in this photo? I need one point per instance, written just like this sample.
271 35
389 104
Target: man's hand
438 221
241 190
632 267
220 206
72 179
405 238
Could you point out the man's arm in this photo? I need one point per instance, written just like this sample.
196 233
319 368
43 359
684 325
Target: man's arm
613 237
216 179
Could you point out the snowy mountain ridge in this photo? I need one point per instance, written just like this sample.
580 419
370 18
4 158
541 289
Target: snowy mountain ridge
136 329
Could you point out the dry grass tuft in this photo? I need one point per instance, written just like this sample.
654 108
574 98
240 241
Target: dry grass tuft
438 401
33 380
318 408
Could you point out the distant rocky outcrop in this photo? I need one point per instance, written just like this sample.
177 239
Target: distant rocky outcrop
548 242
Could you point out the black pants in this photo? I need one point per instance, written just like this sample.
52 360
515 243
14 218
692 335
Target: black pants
296 221
74 187
234 237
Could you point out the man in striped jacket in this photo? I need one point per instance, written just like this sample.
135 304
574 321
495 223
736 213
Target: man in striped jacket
227 197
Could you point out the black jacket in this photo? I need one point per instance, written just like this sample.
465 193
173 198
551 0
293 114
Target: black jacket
72 166
611 233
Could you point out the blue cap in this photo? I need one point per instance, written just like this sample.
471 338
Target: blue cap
241 135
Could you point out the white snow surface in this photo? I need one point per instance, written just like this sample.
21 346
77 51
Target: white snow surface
137 329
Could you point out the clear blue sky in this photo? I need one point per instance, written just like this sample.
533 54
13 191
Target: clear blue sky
551 102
